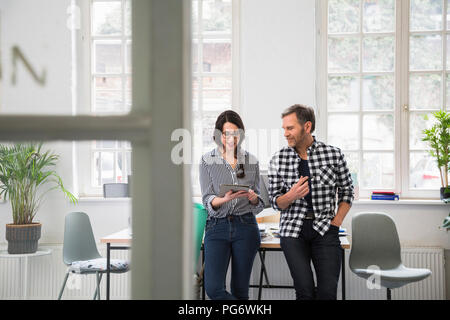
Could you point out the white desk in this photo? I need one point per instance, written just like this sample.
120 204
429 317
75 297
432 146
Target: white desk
24 257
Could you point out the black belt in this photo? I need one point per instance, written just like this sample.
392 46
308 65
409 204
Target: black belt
309 216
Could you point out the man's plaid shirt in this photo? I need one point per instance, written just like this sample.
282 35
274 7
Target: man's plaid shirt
329 176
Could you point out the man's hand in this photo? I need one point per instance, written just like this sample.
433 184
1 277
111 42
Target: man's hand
300 189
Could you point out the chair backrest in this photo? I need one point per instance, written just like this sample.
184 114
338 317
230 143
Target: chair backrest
79 241
200 216
374 241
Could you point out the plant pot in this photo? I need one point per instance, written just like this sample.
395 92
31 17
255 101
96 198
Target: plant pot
23 238
445 194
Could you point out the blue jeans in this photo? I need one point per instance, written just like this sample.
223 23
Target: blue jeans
236 238
325 252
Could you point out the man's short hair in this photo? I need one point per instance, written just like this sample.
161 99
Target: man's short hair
304 114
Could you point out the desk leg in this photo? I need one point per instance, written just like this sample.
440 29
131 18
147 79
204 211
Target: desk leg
262 257
108 268
343 274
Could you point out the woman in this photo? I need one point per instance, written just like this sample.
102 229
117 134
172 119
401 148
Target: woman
231 230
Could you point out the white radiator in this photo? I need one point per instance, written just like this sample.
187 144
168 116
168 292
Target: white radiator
46 275
432 288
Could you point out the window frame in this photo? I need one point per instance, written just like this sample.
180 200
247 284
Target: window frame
86 75
401 110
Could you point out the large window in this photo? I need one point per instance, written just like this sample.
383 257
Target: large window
107 66
214 53
383 68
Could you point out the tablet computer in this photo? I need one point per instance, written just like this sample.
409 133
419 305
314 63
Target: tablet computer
224 188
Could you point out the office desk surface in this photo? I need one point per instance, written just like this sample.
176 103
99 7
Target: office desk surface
123 236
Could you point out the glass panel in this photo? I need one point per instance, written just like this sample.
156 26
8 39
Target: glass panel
128 57
108 101
216 56
378 132
426 15
417 123
343 54
352 159
343 131
107 167
108 83
343 93
378 92
425 91
448 14
448 91
378 171
119 168
194 25
423 171
378 54
216 93
128 18
379 16
195 56
108 57
195 98
107 18
343 16
204 129
217 15
425 52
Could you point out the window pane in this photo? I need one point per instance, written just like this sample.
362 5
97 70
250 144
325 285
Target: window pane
423 170
108 58
128 57
426 15
216 93
378 132
378 92
108 83
217 15
195 98
119 167
378 171
352 159
343 16
425 52
343 54
195 56
343 93
417 123
108 101
217 56
425 91
107 18
128 18
194 16
343 131
448 91
104 144
379 16
378 54
204 130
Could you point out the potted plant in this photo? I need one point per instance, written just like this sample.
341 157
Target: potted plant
438 137
26 176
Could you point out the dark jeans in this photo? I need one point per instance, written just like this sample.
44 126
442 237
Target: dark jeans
236 238
325 254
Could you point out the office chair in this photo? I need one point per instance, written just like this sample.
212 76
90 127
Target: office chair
375 252
80 252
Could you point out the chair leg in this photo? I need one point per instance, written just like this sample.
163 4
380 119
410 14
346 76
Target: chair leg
63 286
389 294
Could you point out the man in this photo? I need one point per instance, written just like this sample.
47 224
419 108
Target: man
304 179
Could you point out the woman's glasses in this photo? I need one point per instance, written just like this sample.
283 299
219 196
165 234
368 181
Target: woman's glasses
229 134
